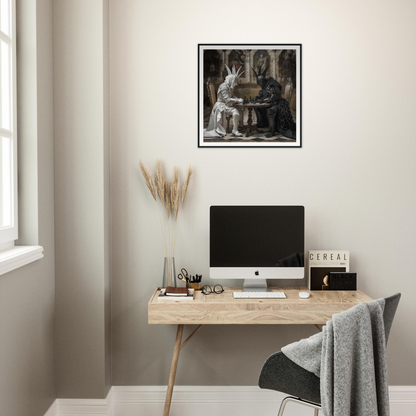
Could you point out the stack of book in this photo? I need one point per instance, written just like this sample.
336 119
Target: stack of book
176 293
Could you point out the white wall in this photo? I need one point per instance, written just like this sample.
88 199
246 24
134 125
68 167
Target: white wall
355 173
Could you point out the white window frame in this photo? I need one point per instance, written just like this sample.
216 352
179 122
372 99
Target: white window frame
11 256
9 233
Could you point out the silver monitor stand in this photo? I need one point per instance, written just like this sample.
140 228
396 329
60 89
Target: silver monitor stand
255 285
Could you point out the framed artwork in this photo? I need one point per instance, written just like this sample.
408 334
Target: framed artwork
249 95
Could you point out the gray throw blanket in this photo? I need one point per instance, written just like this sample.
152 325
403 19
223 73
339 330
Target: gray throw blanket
350 358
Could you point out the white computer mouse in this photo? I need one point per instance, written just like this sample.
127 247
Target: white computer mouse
304 295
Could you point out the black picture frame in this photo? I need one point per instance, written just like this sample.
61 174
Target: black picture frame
283 62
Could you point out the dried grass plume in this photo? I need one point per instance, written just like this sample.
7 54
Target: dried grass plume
167 197
186 183
148 179
160 180
175 194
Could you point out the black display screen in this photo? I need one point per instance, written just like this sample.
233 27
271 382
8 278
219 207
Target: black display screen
257 236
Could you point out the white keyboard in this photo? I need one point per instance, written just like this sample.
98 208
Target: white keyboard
259 295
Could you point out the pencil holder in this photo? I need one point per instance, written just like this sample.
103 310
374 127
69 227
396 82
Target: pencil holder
195 286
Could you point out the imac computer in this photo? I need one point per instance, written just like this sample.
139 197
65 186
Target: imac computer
256 243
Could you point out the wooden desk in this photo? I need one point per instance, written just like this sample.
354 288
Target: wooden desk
223 309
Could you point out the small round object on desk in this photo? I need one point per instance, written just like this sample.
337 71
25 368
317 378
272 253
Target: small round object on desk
304 295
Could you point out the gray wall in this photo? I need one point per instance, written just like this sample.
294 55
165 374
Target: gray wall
81 132
355 173
27 295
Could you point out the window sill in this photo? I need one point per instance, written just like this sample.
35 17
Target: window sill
18 256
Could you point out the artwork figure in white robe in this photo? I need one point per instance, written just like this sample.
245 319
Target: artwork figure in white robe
217 126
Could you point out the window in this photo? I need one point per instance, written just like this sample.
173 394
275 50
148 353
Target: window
8 145
11 255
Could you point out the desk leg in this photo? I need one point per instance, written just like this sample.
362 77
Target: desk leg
173 368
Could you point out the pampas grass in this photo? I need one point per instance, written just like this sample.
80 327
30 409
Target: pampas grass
174 193
166 201
160 181
186 183
170 201
148 179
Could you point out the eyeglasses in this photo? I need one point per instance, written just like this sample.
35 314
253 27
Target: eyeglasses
207 290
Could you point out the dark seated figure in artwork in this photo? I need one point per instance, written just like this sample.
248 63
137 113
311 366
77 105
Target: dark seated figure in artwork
278 116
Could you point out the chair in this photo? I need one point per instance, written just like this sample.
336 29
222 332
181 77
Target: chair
213 99
281 374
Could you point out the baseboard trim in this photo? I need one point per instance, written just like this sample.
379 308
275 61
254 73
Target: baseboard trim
194 394
84 407
203 400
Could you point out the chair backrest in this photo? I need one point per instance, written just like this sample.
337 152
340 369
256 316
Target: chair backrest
211 92
389 311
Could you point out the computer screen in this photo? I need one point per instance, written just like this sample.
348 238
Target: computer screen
257 242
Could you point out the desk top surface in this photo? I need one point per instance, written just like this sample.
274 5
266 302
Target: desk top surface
218 309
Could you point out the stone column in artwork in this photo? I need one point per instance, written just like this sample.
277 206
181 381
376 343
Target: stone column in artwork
251 66
278 78
227 58
247 68
222 63
272 69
